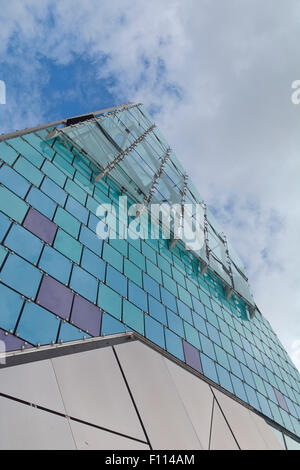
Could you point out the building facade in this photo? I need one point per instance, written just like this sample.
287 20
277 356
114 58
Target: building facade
191 361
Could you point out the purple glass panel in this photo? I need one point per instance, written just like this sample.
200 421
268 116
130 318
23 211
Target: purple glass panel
281 400
86 316
40 225
12 343
192 356
55 297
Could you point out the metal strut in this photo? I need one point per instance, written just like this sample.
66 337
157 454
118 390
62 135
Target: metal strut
174 241
156 177
229 290
123 154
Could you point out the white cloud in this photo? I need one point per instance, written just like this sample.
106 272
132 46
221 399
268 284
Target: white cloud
220 75
296 353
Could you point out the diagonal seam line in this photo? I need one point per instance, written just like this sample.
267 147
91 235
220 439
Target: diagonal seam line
226 419
211 422
78 420
132 399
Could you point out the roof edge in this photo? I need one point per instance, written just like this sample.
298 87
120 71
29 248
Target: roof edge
29 130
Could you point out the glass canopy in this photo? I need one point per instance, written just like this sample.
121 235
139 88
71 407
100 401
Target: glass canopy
126 146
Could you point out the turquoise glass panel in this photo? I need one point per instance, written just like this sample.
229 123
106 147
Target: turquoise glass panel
112 256
68 246
133 317
12 205
67 222
110 301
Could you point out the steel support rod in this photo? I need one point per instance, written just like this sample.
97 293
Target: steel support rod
123 154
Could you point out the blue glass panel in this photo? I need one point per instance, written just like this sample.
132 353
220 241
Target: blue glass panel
224 378
54 191
69 332
239 354
93 264
199 307
37 325
239 388
184 311
24 243
209 368
157 310
247 345
151 286
235 367
261 370
10 307
21 275
13 181
199 323
213 334
41 202
168 299
174 344
55 264
270 392
3 253
111 326
77 210
83 283
154 331
264 405
137 296
4 225
90 240
252 397
116 281
212 318
250 362
207 346
175 323
191 335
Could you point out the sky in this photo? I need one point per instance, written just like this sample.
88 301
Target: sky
217 77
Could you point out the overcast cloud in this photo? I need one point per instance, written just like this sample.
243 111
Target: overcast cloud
218 75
